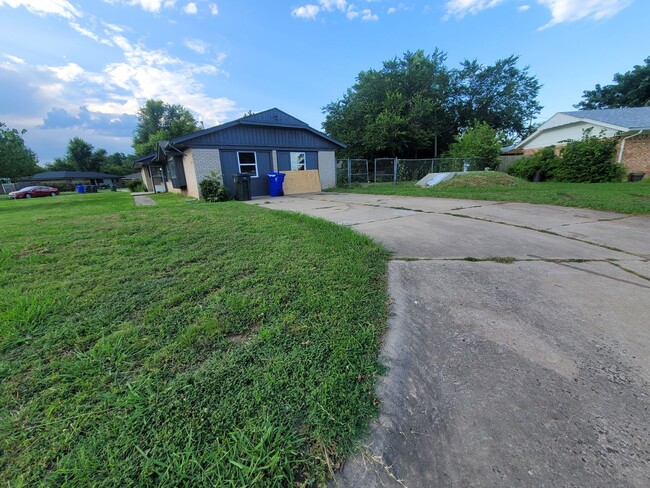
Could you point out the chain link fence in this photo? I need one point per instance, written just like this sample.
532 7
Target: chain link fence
396 170
352 171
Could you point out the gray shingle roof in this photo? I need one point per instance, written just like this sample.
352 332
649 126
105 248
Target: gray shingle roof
64 175
630 118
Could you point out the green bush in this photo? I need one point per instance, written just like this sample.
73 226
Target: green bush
479 142
212 190
545 161
590 160
136 185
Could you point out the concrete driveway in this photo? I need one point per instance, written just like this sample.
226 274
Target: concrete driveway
518 348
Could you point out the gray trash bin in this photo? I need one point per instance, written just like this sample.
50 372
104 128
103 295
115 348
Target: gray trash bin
242 186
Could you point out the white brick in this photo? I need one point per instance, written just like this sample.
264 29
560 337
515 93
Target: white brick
327 169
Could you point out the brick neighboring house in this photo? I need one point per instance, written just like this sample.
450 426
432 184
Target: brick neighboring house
631 125
265 142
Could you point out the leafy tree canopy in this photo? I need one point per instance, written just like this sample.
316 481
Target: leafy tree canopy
82 156
415 105
479 141
631 89
16 159
159 121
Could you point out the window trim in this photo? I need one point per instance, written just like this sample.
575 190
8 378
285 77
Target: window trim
257 172
304 163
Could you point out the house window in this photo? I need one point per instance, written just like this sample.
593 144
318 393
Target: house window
247 163
171 167
298 161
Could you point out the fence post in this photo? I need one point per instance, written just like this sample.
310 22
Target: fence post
349 172
395 170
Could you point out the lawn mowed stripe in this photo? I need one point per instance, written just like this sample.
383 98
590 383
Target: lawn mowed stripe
183 343
624 197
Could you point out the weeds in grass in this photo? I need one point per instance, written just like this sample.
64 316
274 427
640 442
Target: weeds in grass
118 364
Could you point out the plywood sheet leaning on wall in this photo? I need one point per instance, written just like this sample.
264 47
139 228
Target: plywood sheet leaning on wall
301 182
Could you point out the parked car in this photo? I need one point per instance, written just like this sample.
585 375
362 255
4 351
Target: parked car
34 191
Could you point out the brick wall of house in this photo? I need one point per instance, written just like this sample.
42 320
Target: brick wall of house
205 161
327 169
636 154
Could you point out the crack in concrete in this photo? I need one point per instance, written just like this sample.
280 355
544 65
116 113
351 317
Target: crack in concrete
595 221
596 273
545 231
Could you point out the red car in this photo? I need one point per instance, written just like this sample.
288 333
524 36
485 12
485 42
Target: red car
34 191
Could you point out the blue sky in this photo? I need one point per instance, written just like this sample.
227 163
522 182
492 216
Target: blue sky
82 68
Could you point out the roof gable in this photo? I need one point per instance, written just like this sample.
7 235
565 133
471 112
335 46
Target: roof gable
269 118
273 116
613 119
628 118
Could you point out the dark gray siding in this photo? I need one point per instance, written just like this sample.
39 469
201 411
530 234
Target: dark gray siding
284 163
230 166
266 137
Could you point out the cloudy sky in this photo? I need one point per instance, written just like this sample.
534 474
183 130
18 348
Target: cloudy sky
82 68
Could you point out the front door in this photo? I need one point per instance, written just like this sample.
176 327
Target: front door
257 162
158 178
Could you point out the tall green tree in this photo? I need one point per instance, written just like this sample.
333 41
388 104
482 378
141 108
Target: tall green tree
502 95
630 89
159 121
80 156
478 141
16 159
415 105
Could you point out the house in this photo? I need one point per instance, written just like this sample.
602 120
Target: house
261 143
93 177
632 125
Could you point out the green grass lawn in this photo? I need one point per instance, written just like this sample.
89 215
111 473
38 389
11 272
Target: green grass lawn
629 198
182 344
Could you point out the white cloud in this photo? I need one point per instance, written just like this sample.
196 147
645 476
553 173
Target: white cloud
330 5
573 10
561 10
196 45
62 8
190 8
14 59
391 10
523 8
214 9
308 11
367 15
352 13
460 8
69 72
153 6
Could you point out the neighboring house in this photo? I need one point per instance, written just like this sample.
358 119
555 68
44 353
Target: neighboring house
259 144
78 177
632 125
132 176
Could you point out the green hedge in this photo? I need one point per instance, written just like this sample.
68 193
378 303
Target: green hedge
589 160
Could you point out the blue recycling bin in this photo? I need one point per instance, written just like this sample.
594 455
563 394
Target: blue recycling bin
275 184
80 189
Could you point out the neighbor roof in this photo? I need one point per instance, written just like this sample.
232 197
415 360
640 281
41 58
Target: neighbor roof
629 118
65 175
